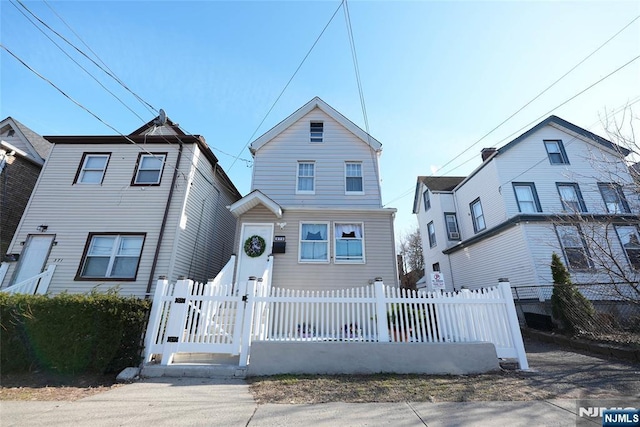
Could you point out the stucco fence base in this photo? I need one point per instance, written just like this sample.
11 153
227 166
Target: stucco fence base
272 358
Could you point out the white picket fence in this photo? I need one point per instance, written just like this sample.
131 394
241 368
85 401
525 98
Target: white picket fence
191 317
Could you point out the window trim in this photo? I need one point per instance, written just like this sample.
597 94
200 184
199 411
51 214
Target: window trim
346 191
576 187
426 200
534 194
83 160
564 160
313 133
585 248
83 259
431 233
313 177
446 226
626 254
622 199
134 182
474 220
335 243
300 241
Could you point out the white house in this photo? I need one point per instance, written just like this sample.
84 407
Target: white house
557 187
316 205
120 211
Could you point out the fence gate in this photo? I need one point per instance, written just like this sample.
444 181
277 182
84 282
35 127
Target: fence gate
190 317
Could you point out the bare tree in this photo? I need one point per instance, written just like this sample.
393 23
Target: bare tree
410 250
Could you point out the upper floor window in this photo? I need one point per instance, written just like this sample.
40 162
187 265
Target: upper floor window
571 197
314 242
426 200
306 178
353 178
630 241
477 216
556 153
573 246
435 267
613 198
431 229
452 226
527 197
111 256
349 243
149 169
92 168
316 131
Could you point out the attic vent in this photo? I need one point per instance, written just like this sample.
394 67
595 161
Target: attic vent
11 132
316 130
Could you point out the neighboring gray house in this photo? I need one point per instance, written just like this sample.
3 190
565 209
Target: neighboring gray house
316 205
120 211
557 187
22 155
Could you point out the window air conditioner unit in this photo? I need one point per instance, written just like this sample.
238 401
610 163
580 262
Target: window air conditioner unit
454 236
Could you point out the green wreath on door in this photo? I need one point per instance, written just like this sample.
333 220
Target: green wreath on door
254 246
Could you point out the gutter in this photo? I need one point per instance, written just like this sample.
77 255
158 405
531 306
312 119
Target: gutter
164 221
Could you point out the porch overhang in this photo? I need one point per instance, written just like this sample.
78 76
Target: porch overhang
253 199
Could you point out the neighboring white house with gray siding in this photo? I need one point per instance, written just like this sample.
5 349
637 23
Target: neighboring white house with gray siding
316 204
556 188
118 212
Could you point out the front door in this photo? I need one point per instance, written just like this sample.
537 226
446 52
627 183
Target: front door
33 257
255 247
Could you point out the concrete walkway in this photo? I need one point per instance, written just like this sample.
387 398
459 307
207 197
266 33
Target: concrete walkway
214 402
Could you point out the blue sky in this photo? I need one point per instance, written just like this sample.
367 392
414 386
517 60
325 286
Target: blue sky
436 76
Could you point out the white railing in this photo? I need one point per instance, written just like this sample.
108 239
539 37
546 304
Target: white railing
379 313
38 284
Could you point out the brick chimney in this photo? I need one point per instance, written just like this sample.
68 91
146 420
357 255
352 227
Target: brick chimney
487 152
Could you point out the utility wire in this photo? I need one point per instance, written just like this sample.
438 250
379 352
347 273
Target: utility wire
287 85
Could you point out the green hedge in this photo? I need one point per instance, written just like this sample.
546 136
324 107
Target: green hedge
73 334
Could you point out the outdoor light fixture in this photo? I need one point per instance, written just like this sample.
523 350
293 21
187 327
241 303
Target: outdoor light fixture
42 228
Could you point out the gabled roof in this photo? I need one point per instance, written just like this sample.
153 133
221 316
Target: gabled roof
305 109
253 199
153 127
568 126
35 147
435 184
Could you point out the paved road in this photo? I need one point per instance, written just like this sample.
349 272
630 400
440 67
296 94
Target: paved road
214 402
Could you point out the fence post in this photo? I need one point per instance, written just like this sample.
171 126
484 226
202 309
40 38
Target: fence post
512 318
247 322
177 320
154 317
43 286
381 311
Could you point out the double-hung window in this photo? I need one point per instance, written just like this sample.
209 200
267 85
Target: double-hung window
316 132
431 229
92 168
314 242
426 200
573 246
349 239
613 197
527 197
477 216
353 178
630 241
111 256
453 232
571 197
306 178
149 169
556 153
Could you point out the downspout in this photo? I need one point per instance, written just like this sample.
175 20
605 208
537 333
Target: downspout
164 221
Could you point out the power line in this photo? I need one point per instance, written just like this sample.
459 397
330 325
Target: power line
287 85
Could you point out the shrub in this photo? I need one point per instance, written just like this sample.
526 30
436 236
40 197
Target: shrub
568 305
94 333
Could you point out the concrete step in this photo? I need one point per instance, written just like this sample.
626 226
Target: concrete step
197 365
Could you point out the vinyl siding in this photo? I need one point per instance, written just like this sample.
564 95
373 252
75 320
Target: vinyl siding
276 163
289 273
